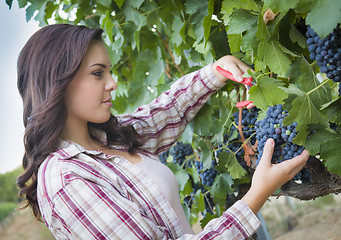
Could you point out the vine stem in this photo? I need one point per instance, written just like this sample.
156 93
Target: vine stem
314 89
165 43
263 75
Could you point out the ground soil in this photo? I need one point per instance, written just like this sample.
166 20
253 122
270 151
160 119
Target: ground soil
286 219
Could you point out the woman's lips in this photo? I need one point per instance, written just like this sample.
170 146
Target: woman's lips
107 102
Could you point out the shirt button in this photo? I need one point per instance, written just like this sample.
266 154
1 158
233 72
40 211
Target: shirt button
116 160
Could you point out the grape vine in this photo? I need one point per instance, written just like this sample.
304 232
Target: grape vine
152 43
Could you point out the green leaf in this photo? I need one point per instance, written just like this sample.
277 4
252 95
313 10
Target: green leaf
267 92
229 5
329 11
187 135
208 20
332 109
331 152
203 121
235 41
119 3
107 25
182 177
231 164
302 73
22 3
241 21
135 3
273 56
279 6
9 3
221 186
296 36
198 10
303 112
199 202
105 3
177 26
206 156
249 40
194 174
318 135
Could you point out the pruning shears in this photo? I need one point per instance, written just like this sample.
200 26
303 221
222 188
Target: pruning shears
246 81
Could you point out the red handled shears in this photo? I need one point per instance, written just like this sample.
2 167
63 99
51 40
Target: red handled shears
246 81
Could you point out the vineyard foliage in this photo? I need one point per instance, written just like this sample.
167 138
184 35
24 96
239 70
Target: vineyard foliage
151 43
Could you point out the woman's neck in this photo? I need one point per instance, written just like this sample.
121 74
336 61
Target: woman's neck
79 133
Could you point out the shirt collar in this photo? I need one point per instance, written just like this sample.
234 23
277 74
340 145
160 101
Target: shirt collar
67 149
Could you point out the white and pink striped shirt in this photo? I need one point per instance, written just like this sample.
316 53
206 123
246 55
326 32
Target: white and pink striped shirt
86 194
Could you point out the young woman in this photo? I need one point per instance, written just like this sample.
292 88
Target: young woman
92 175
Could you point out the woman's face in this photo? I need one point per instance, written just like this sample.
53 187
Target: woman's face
88 95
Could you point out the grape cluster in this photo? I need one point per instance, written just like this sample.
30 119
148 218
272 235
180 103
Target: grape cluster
207 177
272 127
179 152
249 118
326 52
163 156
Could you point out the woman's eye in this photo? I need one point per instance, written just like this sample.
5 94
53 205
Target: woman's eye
98 73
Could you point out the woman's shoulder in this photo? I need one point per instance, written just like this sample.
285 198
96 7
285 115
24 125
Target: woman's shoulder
63 166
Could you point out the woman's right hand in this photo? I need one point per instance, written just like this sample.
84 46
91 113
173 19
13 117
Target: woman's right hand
268 177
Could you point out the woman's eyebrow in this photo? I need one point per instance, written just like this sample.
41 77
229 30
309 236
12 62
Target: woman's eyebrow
101 65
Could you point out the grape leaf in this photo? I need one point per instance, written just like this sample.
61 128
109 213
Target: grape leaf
329 11
332 109
267 92
229 5
306 80
119 3
249 40
331 152
203 121
241 20
230 163
176 36
199 202
208 20
273 56
22 3
279 6
106 3
198 11
135 3
187 135
182 177
206 156
9 3
318 135
221 186
235 41
303 112
296 36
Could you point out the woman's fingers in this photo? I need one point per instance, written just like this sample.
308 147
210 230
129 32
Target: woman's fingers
295 164
267 152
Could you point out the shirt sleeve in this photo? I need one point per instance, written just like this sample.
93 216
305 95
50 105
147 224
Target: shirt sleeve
164 119
95 213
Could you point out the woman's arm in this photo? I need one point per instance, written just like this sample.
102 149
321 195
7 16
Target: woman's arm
164 119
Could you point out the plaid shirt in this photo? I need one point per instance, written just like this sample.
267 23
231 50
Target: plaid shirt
86 194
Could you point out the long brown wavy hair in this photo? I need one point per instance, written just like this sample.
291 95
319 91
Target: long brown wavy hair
46 66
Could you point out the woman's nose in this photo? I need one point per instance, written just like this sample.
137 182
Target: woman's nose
111 84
